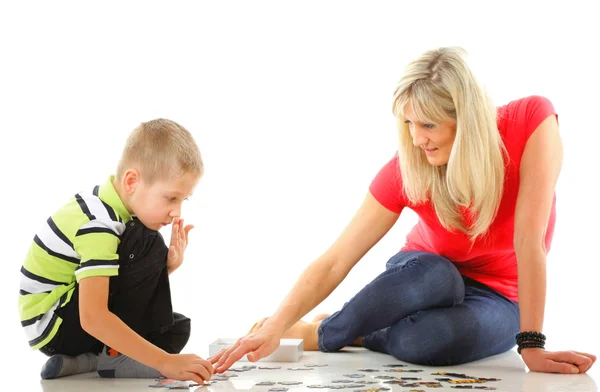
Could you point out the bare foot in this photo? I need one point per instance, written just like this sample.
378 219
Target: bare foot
306 331
320 317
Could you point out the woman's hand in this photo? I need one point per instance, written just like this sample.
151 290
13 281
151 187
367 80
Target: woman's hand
262 340
570 362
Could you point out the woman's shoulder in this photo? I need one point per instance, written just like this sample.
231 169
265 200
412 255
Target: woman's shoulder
520 117
525 105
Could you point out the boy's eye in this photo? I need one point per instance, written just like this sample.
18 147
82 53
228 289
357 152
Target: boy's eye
429 125
171 198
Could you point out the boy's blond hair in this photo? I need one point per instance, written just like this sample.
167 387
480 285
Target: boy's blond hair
160 149
439 86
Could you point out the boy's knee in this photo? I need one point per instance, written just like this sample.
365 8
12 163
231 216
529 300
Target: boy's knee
182 324
180 332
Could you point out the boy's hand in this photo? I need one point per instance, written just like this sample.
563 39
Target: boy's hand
186 367
179 241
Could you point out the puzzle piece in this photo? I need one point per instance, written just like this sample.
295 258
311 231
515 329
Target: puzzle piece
394 366
430 384
372 389
353 375
171 384
265 383
467 381
301 368
223 377
244 368
311 365
278 389
269 367
290 382
367 370
404 370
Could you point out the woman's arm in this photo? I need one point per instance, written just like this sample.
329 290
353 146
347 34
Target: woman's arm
540 167
370 223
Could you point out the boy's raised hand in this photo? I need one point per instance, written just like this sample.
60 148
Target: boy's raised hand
179 241
186 367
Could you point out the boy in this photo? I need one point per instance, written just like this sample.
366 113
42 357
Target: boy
94 286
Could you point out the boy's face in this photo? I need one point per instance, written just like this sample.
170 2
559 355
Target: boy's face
156 205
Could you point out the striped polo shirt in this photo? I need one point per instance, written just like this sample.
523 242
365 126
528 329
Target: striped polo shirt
78 241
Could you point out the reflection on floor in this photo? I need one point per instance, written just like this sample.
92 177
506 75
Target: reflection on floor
507 367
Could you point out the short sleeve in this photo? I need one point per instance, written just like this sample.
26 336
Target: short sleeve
97 242
386 187
536 110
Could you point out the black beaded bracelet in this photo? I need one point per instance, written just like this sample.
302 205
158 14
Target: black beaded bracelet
529 345
530 337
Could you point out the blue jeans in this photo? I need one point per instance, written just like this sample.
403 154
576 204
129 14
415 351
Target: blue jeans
421 310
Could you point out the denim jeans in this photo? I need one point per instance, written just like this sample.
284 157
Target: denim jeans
421 310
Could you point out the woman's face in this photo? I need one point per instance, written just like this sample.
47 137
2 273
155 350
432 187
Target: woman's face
435 140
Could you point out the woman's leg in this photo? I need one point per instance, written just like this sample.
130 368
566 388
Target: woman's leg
484 324
412 281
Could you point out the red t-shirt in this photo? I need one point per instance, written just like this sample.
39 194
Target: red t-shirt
491 260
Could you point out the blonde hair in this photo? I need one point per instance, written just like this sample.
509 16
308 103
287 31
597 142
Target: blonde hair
160 149
439 86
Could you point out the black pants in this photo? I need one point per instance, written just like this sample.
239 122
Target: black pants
140 296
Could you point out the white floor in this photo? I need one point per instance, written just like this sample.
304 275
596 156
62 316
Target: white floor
508 367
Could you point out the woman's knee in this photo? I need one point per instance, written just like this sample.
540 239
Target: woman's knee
436 271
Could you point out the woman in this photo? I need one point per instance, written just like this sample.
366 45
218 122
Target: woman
470 281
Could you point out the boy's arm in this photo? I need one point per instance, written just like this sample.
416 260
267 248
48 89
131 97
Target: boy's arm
105 326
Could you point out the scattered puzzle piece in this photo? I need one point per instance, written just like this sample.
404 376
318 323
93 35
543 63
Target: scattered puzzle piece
353 375
467 381
394 366
404 370
265 383
430 384
367 370
244 368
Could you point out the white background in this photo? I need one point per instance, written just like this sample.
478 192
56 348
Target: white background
290 103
